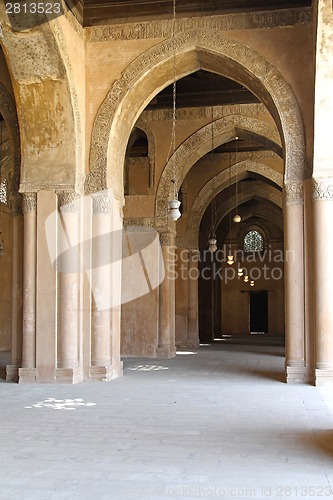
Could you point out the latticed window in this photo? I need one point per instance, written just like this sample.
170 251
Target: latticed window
3 191
253 242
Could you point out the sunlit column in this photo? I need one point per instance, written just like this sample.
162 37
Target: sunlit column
323 284
28 371
294 281
101 287
68 287
193 303
166 338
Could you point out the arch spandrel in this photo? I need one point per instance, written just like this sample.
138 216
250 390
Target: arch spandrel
150 73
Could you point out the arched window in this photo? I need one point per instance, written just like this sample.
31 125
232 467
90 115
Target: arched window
253 242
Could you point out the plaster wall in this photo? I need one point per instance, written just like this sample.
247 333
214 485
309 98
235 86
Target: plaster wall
291 51
6 228
139 326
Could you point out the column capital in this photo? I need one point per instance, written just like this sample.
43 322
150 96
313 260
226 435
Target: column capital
102 203
294 192
68 201
29 202
322 188
167 238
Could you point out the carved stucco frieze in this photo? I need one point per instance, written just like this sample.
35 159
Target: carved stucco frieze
254 64
29 202
294 192
163 29
250 110
144 221
323 188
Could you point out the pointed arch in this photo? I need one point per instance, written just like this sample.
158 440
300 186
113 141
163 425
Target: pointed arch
153 70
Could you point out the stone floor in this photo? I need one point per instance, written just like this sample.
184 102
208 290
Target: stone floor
215 423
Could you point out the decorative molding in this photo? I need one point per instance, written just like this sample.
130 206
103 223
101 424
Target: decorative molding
144 221
323 188
68 202
102 204
294 192
29 202
251 110
163 29
142 68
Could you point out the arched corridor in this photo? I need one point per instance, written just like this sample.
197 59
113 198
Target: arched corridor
217 113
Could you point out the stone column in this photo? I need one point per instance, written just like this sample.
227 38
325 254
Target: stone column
69 268
28 371
166 336
193 301
12 370
323 285
294 282
101 368
323 193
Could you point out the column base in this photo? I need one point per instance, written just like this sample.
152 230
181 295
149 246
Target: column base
12 373
324 377
106 373
296 375
69 375
166 352
27 376
189 344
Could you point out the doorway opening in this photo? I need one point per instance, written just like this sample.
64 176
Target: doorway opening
258 312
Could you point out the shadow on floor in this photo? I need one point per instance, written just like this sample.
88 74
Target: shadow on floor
319 440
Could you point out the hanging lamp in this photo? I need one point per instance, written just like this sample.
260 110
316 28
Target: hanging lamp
236 218
174 203
212 242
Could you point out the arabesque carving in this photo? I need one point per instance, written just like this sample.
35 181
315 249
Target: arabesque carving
163 29
294 192
68 202
29 202
102 204
323 188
